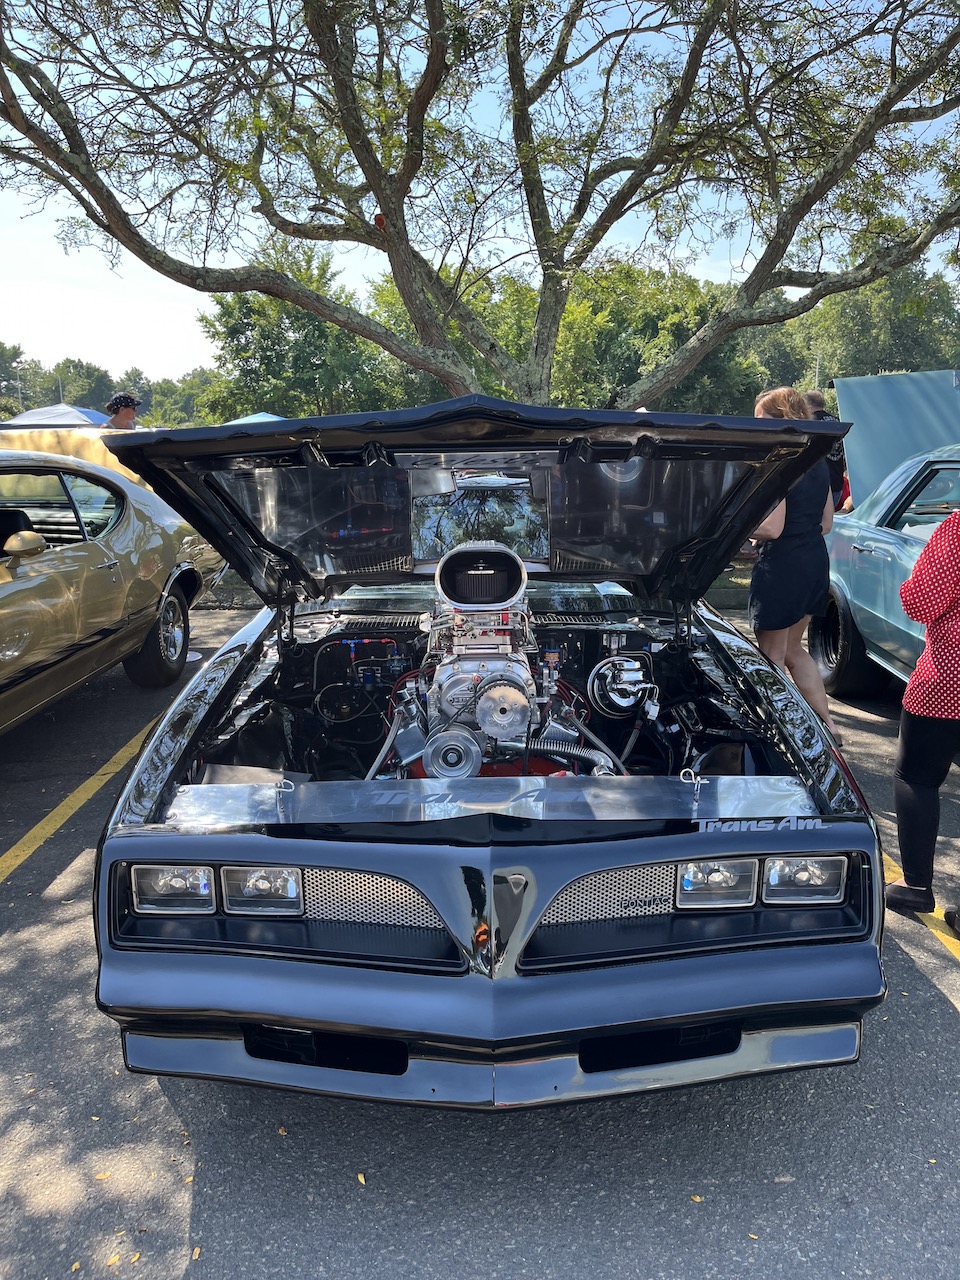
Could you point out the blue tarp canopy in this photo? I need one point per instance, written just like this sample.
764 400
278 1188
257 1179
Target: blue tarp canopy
57 415
895 415
255 417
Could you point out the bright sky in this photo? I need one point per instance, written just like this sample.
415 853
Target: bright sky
58 305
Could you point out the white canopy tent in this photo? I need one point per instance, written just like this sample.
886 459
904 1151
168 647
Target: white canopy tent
57 415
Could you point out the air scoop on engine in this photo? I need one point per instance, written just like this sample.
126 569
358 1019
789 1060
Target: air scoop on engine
481 575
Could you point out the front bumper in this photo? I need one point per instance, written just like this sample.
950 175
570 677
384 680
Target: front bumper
513 1084
471 1042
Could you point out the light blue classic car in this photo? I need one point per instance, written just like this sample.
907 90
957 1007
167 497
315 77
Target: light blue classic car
865 635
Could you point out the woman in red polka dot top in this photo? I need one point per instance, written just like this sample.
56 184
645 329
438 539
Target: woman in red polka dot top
930 719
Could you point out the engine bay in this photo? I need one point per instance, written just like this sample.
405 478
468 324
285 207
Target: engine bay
483 686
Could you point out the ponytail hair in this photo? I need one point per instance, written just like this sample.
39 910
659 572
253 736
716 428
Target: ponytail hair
782 402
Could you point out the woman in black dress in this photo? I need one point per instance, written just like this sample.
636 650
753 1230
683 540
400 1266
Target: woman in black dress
791 577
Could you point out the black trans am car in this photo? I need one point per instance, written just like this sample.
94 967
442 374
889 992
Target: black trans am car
483 809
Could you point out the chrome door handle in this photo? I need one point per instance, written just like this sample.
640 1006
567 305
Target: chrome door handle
108 564
872 551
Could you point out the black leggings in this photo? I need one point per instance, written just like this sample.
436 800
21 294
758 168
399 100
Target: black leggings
925 752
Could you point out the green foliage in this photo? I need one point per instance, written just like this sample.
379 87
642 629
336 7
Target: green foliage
908 321
782 353
76 382
10 359
277 358
274 357
179 403
21 380
138 384
621 320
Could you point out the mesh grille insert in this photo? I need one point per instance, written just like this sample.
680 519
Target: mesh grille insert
364 897
379 622
569 619
621 893
373 562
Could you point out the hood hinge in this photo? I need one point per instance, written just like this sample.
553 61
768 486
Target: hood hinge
285 617
683 623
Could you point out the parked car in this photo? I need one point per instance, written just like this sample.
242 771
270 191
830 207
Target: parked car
483 809
94 570
865 636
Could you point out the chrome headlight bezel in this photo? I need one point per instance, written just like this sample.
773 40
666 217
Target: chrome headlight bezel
832 889
169 901
741 881
727 884
236 884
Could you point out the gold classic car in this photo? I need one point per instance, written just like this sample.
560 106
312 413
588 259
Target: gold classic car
95 569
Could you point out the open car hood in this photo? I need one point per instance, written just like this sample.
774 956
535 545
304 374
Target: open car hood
307 507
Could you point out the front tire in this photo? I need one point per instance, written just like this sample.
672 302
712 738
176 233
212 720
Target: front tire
837 647
160 659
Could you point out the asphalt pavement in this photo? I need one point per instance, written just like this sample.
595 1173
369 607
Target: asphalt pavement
841 1172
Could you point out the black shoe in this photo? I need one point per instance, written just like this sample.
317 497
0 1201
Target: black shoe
951 916
902 897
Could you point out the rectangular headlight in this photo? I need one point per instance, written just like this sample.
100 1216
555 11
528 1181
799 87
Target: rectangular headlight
804 881
730 882
262 891
173 890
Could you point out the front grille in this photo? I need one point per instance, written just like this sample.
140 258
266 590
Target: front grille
628 914
350 917
620 894
364 897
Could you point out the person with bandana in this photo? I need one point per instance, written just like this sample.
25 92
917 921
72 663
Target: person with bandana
123 410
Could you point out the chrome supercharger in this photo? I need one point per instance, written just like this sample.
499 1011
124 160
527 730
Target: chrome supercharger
483 691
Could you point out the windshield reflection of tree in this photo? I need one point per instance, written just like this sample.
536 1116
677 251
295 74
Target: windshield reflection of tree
509 516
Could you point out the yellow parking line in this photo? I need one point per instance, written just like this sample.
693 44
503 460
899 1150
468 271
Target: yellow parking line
932 919
55 819
935 923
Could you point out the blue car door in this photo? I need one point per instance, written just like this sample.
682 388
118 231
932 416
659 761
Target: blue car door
896 546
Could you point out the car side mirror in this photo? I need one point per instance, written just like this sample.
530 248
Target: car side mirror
24 545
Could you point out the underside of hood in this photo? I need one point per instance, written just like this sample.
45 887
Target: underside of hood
306 507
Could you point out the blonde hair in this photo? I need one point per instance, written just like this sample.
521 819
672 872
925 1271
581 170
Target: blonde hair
782 402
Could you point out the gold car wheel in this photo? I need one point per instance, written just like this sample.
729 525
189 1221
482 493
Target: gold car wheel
160 659
172 628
